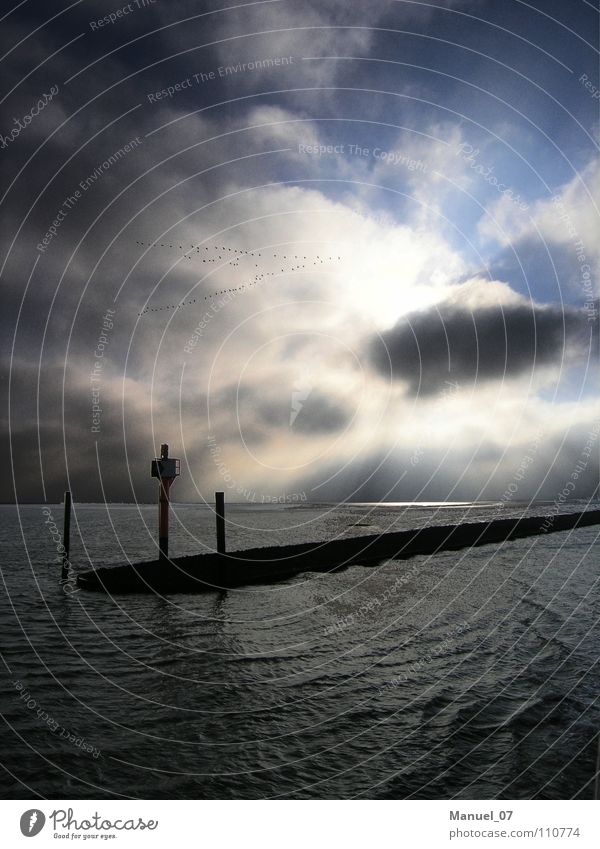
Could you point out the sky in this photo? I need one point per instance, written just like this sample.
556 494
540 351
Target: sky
327 251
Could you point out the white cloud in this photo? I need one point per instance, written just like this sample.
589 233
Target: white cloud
570 217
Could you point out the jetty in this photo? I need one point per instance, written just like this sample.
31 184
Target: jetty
220 570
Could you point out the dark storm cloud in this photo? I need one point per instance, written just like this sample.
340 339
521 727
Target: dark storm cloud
50 440
485 471
320 414
307 412
451 343
102 108
313 413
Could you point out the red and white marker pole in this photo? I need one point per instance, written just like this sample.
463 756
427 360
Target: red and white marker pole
166 470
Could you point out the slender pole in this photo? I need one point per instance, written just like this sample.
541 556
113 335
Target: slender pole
597 782
220 513
164 486
64 574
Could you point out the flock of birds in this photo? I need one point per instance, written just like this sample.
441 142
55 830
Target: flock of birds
234 261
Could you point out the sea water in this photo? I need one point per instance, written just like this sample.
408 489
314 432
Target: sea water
470 674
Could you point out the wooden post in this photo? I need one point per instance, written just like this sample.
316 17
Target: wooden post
166 470
220 514
597 781
64 574
163 518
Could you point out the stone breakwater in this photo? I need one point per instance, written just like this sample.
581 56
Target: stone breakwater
210 572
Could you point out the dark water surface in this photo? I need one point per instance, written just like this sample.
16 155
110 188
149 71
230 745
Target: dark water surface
471 674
